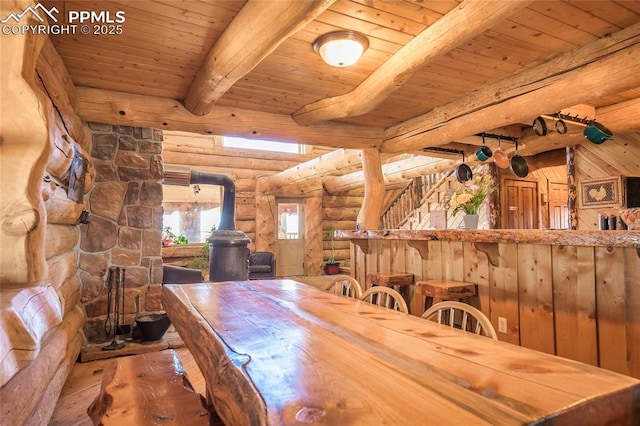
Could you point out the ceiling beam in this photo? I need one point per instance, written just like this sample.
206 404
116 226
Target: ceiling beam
620 118
319 166
540 151
608 65
623 117
103 106
258 30
465 21
397 172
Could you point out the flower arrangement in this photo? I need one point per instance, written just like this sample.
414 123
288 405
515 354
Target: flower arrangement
472 195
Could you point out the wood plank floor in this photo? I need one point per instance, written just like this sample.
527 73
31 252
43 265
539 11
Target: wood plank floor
83 385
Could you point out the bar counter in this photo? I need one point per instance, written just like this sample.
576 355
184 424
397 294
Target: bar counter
571 293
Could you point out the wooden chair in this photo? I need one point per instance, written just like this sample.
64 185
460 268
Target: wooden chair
386 297
471 318
346 286
399 281
437 290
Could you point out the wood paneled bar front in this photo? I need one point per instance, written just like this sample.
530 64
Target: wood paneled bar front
575 294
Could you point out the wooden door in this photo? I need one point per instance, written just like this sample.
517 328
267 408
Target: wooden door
558 209
290 242
519 204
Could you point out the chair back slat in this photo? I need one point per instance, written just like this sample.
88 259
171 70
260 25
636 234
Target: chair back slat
386 297
346 286
470 318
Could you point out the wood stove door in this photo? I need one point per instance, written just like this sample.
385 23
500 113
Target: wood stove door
290 242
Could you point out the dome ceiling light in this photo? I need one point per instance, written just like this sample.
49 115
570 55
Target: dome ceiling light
341 48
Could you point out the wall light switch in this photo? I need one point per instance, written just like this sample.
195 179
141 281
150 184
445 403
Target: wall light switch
502 325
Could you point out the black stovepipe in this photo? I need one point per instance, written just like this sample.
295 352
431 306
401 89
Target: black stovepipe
193 177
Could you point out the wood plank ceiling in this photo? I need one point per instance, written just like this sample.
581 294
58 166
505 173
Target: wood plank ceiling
165 43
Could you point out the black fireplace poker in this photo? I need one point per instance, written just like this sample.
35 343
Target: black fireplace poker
116 280
194 177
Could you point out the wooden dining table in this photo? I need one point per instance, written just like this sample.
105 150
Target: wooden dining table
279 352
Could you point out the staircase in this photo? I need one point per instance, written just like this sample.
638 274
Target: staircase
405 209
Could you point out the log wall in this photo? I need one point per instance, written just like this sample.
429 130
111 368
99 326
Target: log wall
253 212
40 320
579 302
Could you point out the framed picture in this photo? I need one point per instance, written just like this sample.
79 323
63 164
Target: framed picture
601 192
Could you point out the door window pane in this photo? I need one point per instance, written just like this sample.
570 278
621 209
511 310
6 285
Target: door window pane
289 221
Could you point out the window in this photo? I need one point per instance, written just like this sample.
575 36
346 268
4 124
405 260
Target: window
273 146
192 220
172 220
191 211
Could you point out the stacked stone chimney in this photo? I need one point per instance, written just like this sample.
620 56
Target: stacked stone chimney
125 223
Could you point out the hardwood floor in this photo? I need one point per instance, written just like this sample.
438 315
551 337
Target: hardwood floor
83 385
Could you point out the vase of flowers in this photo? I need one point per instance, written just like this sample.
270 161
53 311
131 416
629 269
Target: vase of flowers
470 197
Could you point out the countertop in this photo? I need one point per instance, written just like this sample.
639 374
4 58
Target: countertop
529 236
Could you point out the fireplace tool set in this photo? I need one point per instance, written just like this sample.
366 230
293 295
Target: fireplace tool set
114 293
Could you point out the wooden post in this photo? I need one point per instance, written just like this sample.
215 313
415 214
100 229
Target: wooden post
369 216
572 187
265 223
494 199
313 235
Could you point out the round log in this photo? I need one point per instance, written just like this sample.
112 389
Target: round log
62 155
59 239
25 151
60 209
19 221
62 267
369 215
20 397
90 175
69 293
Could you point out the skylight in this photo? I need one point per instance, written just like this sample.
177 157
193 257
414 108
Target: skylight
273 146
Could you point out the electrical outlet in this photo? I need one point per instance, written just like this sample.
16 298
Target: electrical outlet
502 325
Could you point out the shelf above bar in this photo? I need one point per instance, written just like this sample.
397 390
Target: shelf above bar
543 236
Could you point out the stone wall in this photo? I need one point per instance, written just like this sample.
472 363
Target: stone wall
125 228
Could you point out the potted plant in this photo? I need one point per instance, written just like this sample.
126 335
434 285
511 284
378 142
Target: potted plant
332 267
470 197
167 236
181 239
201 261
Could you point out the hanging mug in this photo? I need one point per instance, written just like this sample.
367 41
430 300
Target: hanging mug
597 133
484 153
